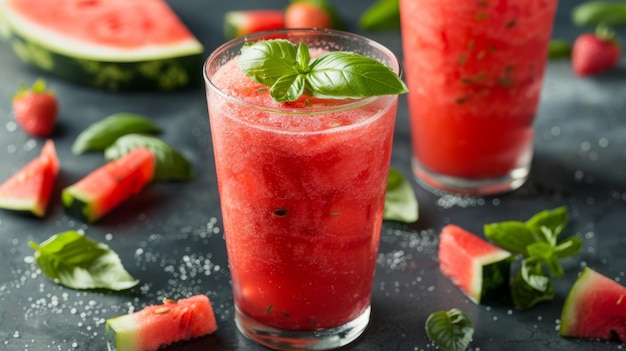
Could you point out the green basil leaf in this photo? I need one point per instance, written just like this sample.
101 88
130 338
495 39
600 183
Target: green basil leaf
510 235
266 61
382 15
526 296
554 220
594 13
559 49
288 88
450 330
350 75
541 250
400 200
568 247
334 75
98 136
533 274
73 260
170 163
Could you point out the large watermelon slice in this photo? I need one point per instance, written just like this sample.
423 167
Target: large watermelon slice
108 44
481 270
160 325
595 308
29 189
108 186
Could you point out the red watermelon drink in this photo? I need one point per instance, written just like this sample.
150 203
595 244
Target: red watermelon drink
475 69
302 187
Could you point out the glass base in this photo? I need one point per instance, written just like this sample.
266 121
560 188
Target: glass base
324 339
436 182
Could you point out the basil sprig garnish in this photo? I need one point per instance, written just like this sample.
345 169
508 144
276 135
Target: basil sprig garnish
76 261
289 72
450 330
536 240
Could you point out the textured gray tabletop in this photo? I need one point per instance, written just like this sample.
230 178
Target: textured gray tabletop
170 237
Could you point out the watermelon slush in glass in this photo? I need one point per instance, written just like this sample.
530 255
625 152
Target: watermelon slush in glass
302 190
475 71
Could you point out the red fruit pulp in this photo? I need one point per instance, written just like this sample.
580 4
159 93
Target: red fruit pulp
475 71
302 196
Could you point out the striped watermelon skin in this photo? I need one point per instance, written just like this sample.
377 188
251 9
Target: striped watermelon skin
595 308
117 45
160 325
480 269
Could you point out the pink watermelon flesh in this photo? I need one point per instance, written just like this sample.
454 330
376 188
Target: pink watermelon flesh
244 22
108 186
125 24
595 308
159 325
31 187
481 270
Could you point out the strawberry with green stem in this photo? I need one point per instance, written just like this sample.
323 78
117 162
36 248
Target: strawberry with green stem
36 109
595 53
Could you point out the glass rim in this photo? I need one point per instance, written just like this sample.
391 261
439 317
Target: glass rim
240 41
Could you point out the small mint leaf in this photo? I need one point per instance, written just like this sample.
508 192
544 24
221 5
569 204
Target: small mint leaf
450 330
304 58
510 235
568 247
554 220
526 296
400 199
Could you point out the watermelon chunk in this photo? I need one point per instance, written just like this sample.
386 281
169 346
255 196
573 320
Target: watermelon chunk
481 270
159 325
30 189
108 186
112 44
595 308
244 22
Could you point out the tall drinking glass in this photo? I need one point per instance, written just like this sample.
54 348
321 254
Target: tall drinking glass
474 69
302 189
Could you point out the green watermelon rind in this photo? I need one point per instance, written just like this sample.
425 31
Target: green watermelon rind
169 68
127 339
495 282
79 204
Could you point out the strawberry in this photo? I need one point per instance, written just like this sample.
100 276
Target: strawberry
311 14
595 53
36 109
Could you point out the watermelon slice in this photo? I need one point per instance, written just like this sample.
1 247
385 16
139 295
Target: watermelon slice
108 44
595 308
29 189
108 186
481 270
160 325
244 22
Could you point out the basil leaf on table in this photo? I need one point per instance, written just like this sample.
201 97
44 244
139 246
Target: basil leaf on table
73 260
170 163
382 15
450 330
400 200
286 69
594 13
98 136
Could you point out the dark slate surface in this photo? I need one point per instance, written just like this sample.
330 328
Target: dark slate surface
170 236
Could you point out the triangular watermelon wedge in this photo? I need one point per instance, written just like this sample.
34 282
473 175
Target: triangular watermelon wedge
595 308
29 189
